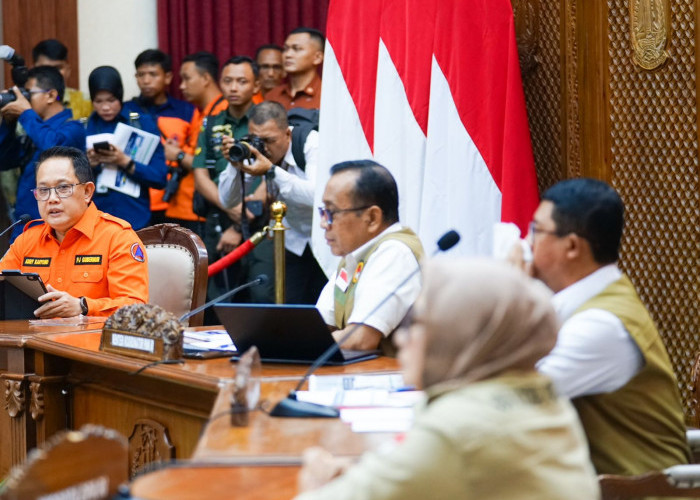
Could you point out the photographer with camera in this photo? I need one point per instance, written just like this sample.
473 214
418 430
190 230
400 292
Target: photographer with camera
223 226
269 151
38 108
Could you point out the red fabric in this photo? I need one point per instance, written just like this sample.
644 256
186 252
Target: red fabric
241 251
485 81
231 27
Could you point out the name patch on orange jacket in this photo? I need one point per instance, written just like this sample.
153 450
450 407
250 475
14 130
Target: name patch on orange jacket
85 260
37 261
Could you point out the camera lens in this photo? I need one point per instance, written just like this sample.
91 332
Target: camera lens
6 98
239 151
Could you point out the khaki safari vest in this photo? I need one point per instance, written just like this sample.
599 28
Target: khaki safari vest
345 301
639 427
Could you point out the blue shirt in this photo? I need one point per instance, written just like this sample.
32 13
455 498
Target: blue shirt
136 211
59 130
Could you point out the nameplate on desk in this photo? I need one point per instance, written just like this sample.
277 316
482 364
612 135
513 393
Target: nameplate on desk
132 344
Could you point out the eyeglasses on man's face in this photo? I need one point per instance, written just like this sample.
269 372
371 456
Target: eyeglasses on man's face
62 191
327 214
534 230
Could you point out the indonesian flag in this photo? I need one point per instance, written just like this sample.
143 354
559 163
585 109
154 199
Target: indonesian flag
432 90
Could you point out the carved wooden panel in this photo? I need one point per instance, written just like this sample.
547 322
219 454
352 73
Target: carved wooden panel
654 165
149 443
538 27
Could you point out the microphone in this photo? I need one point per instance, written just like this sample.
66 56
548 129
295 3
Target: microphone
261 279
22 220
290 406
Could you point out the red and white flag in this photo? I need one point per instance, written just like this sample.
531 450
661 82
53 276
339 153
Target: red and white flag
432 90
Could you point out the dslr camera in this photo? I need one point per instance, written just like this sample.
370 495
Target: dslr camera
20 74
241 148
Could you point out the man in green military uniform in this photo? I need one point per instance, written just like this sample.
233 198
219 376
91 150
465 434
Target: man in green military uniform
238 83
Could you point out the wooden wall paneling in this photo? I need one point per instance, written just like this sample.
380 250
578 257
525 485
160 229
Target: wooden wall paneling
26 22
655 168
538 28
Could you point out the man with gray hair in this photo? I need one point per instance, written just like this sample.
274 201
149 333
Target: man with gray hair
290 178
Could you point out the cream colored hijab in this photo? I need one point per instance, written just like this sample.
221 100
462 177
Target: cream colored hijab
482 318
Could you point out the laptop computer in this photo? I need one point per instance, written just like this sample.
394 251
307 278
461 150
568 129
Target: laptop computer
284 333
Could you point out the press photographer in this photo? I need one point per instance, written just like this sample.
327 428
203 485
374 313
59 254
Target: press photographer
289 167
39 110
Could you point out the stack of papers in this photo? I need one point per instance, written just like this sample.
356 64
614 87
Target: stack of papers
369 403
209 340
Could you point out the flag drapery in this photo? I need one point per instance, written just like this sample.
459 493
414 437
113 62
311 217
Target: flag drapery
432 90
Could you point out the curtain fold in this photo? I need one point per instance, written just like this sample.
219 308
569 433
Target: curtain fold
231 27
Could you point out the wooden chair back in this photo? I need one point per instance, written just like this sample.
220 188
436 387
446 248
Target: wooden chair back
177 269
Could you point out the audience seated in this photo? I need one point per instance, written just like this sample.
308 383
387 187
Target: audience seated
609 358
106 92
360 218
289 182
154 72
91 262
491 426
302 56
52 52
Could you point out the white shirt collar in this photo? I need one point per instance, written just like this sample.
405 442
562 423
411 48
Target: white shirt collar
354 257
572 297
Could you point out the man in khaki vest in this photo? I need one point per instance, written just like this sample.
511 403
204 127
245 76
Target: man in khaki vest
609 358
360 218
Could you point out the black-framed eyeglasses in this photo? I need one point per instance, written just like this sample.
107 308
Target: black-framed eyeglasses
62 191
533 229
327 214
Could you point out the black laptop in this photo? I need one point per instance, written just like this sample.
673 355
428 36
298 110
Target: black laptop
284 333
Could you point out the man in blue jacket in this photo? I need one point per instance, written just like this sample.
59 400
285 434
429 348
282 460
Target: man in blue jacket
47 123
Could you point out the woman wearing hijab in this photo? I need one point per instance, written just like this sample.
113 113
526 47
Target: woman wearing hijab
491 426
131 202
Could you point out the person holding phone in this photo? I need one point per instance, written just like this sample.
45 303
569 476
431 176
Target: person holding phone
91 262
128 196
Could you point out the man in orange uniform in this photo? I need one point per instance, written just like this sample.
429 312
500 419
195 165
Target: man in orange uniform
92 263
199 74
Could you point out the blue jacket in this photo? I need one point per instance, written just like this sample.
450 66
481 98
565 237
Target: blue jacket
59 130
136 211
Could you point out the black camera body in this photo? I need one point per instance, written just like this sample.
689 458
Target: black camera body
241 148
9 96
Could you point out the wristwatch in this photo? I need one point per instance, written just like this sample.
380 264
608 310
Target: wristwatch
180 156
83 306
270 174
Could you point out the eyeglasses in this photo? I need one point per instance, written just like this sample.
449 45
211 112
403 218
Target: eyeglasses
38 91
328 214
534 230
62 191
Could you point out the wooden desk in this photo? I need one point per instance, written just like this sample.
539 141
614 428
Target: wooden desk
163 409
20 389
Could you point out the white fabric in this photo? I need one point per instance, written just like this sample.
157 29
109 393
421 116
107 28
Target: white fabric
390 264
296 189
594 353
171 270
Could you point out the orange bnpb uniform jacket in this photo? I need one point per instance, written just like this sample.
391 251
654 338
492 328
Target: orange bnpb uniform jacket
181 204
100 258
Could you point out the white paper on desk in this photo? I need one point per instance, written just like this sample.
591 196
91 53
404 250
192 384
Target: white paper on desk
136 143
212 340
386 381
113 178
367 398
378 419
72 321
